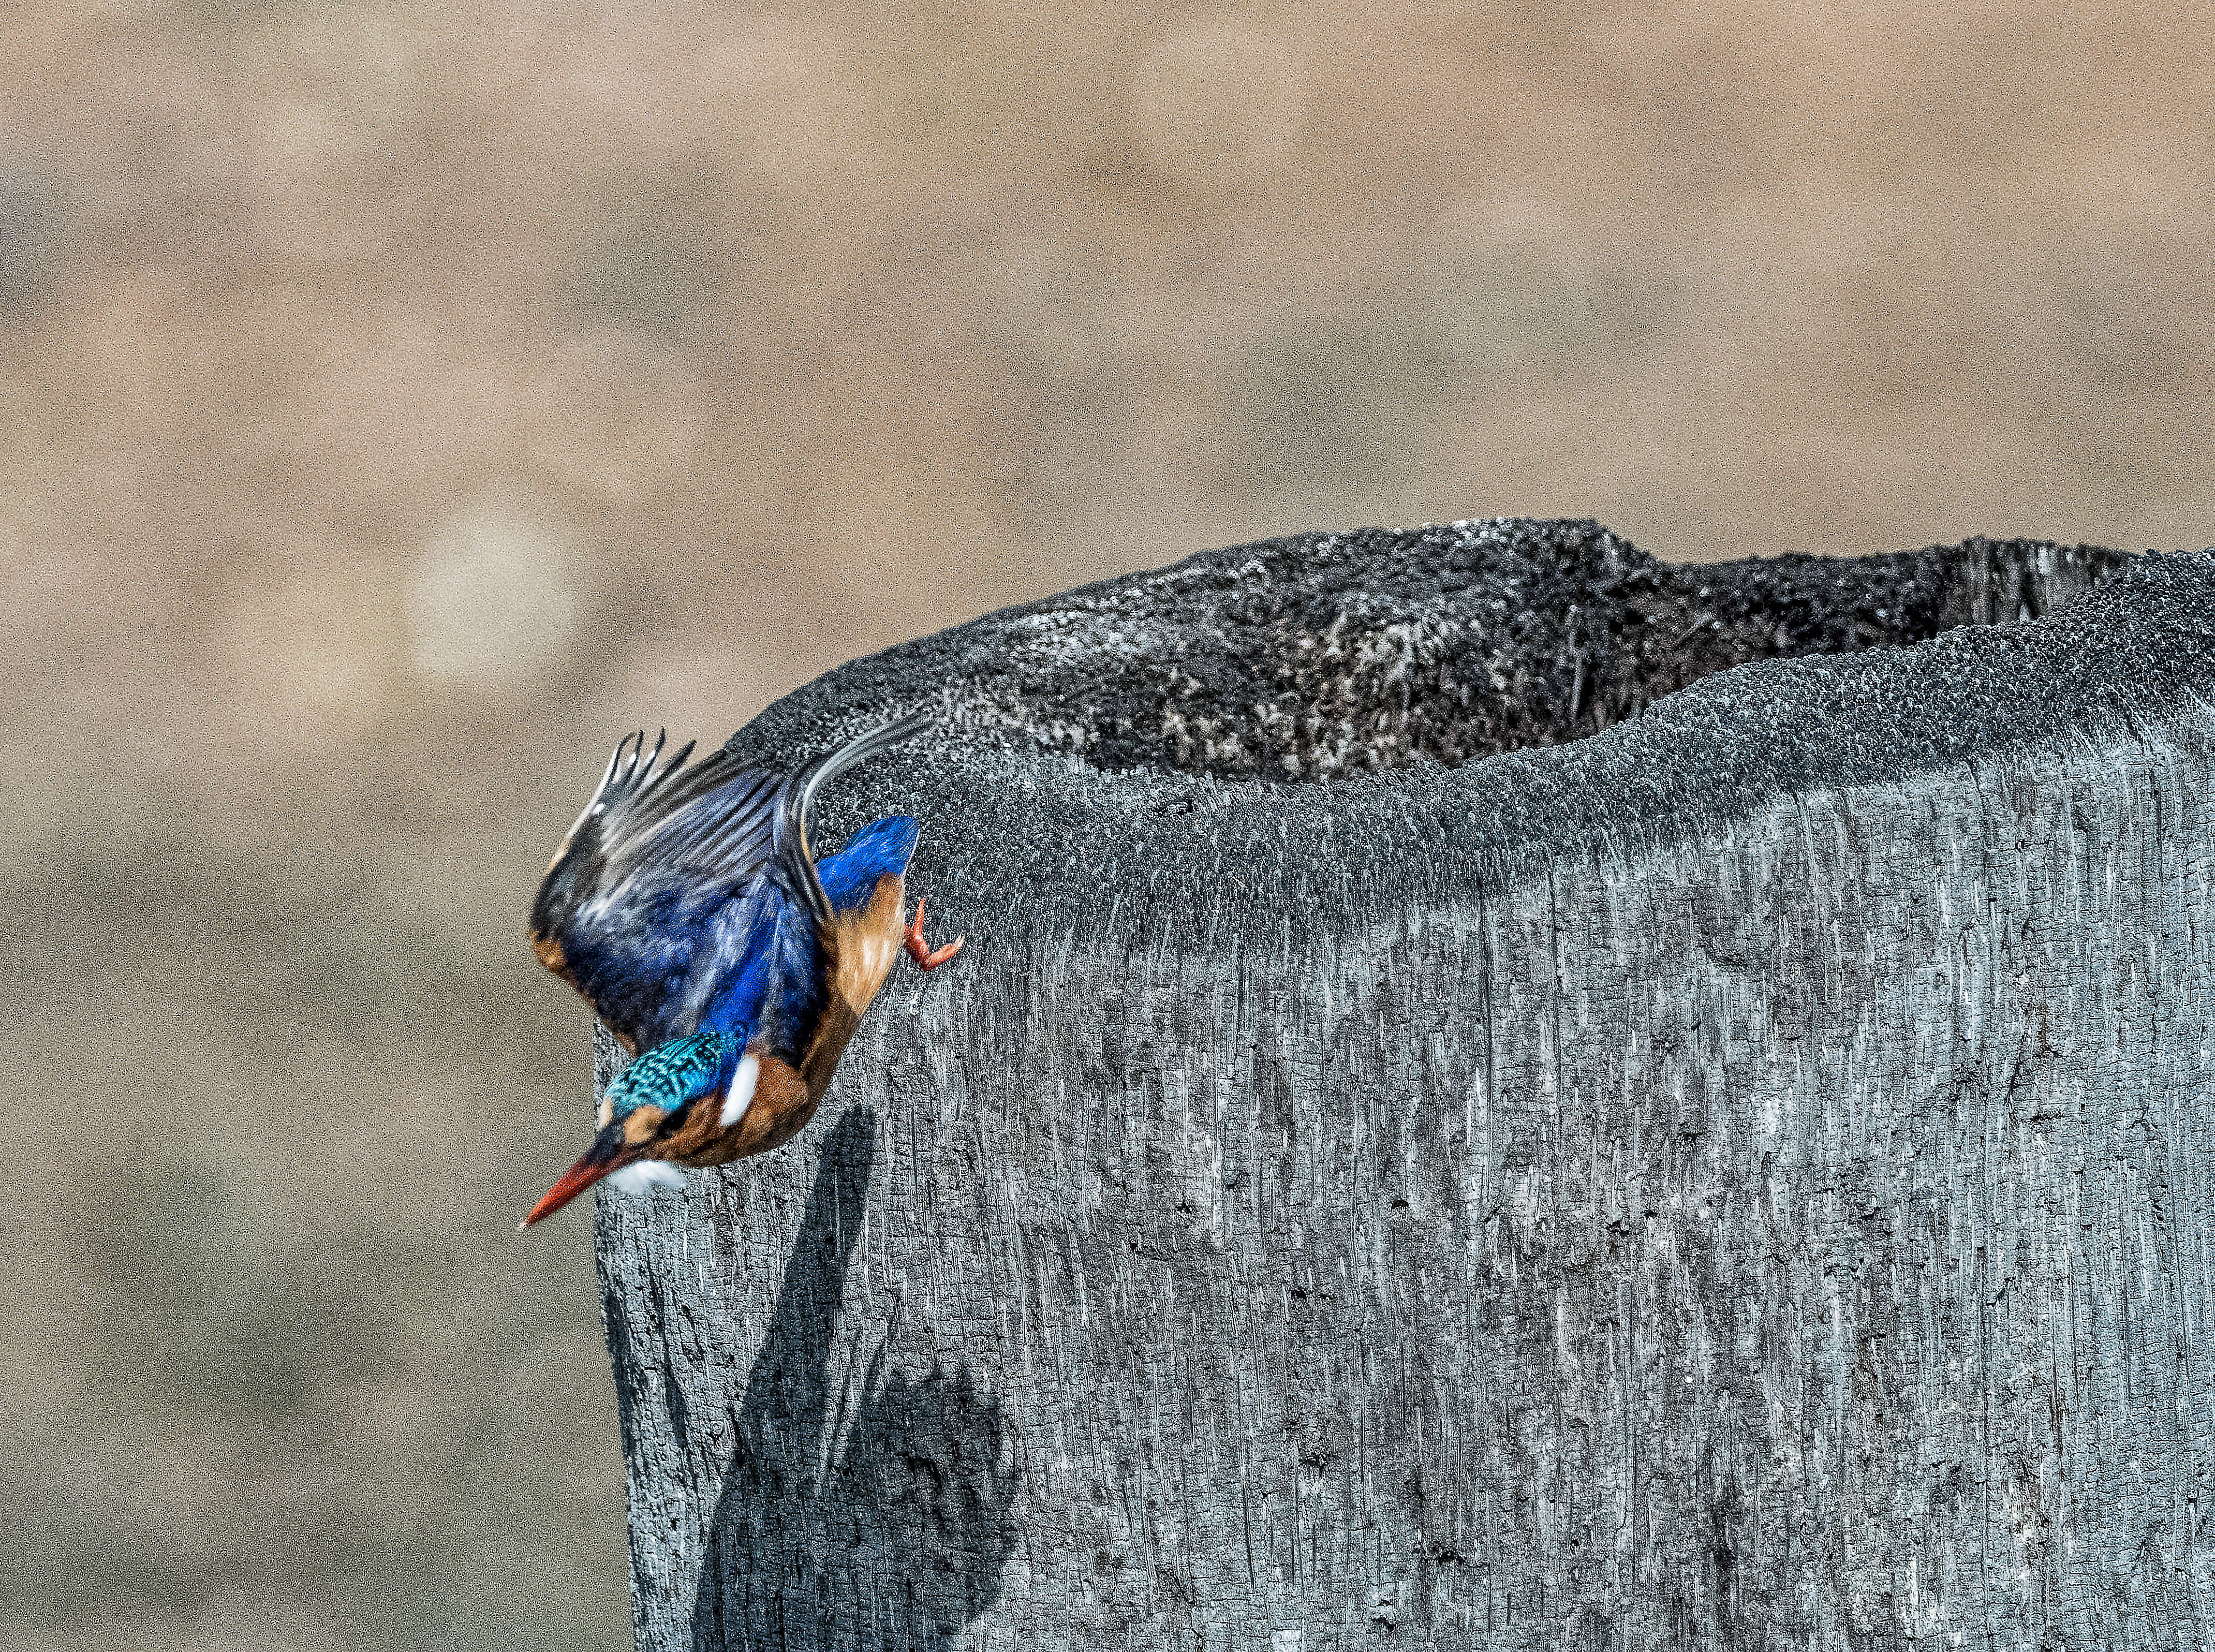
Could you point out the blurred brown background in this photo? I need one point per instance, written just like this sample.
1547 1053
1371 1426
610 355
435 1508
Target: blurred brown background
396 406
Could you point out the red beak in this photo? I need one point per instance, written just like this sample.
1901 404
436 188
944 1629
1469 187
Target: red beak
609 1152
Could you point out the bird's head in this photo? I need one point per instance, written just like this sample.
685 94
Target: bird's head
646 1104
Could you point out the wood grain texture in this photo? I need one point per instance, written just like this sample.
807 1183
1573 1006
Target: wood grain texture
1327 1217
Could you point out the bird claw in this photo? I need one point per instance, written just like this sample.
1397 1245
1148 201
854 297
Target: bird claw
921 951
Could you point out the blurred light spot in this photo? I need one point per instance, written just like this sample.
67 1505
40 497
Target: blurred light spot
490 600
1217 105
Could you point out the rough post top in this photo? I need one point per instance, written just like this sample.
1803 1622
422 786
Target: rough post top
1476 699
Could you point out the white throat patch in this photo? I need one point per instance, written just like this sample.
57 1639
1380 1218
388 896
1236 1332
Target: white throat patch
646 1173
740 1095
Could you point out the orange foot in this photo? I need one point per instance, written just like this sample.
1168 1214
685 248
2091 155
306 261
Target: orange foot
918 950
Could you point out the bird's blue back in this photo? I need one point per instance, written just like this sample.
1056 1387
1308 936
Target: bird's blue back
765 965
880 848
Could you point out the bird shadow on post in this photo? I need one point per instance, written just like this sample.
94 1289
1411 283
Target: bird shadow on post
899 1480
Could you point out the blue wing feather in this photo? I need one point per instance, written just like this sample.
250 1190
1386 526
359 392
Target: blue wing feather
634 911
737 979
681 902
794 983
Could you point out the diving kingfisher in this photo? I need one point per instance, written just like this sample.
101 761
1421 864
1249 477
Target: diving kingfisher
687 908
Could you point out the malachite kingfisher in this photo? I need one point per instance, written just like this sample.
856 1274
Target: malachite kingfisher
687 908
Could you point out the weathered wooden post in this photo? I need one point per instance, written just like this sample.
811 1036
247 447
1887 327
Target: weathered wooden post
1731 1169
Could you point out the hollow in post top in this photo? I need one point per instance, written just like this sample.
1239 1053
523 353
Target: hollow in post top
1339 719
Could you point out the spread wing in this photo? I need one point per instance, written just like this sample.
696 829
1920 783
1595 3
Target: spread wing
665 896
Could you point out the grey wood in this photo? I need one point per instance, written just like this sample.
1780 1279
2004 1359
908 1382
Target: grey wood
1726 1170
